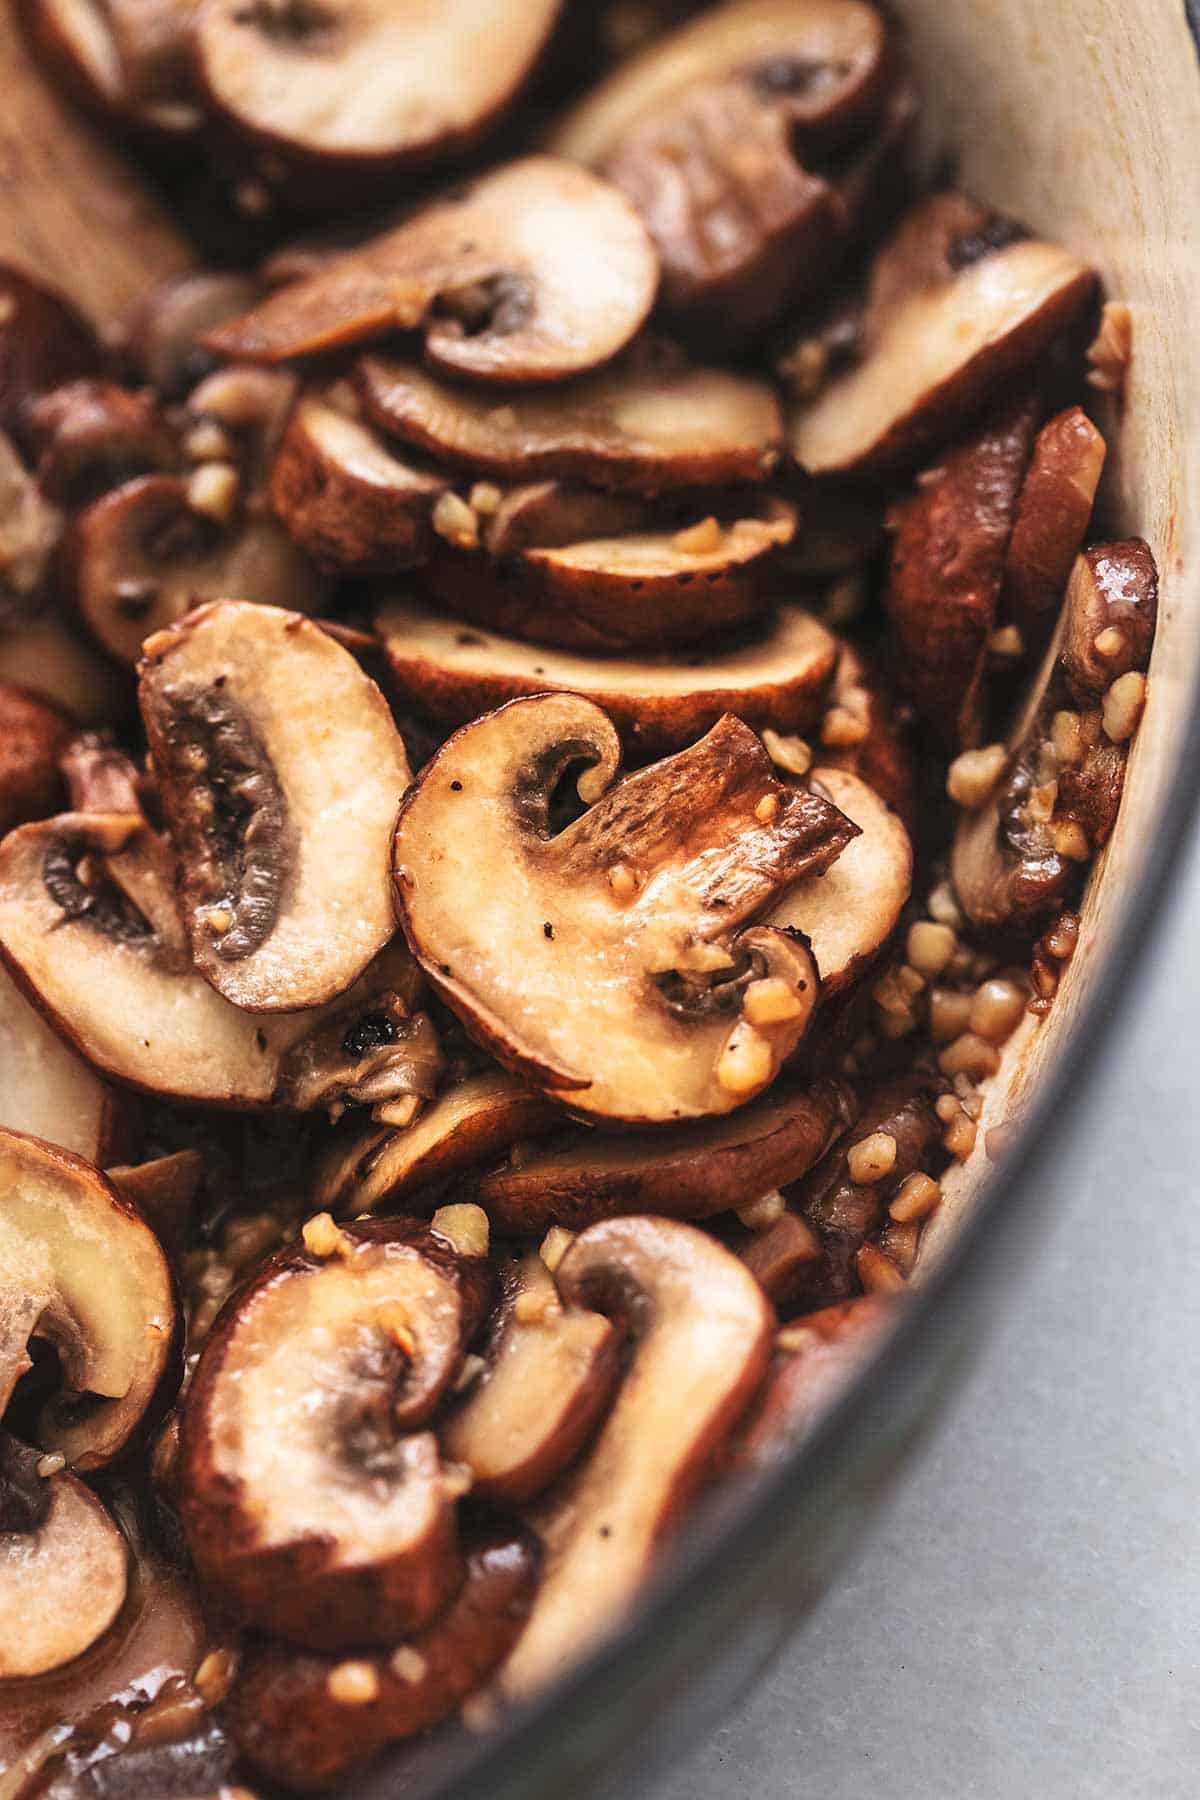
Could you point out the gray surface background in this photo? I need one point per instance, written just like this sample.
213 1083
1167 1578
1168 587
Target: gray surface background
1025 1622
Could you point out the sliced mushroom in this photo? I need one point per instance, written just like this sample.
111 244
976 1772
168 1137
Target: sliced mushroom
44 342
50 659
51 1092
690 1172
279 773
100 777
151 38
345 498
654 421
314 1501
883 755
89 926
29 533
142 555
701 1332
88 55
550 1372
290 1723
83 1272
369 1167
164 1191
1053 510
162 338
536 272
93 435
961 301
947 569
636 909
647 590
376 87
32 736
64 1566
830 1347
851 911
249 408
449 674
1113 587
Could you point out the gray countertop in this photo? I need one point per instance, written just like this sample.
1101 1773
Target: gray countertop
1024 1624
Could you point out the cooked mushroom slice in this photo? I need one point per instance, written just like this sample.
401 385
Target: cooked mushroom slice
654 421
883 755
637 909
163 336
690 1172
93 435
50 659
826 1350
947 568
151 39
148 93
369 1048
960 301
43 343
279 772
81 1271
345 498
64 1566
1053 510
373 87
535 272
287 1713
314 1503
140 556
248 408
450 674
371 1166
1021 850
48 1090
701 1332
851 911
549 1374
29 533
648 590
101 777
32 735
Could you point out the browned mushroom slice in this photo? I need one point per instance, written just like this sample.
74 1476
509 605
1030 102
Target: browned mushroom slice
645 590
687 1173
652 422
249 408
32 735
162 337
536 272
883 755
78 42
140 556
83 1272
345 498
637 909
291 1723
375 85
701 1332
449 674
43 343
94 435
151 41
961 300
164 1190
825 1351
549 1374
1113 588
64 1566
48 1090
314 1503
53 661
851 911
279 771
29 533
947 568
89 925
371 1166
1052 516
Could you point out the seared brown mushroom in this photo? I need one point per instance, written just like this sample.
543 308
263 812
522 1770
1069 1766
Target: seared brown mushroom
690 1172
50 659
29 532
960 301
648 589
279 773
51 1092
637 910
1113 588
654 421
83 1272
32 735
535 272
162 337
164 1190
451 673
369 88
301 1721
883 755
701 1332
548 1375
371 1166
849 913
90 436
345 498
1053 510
44 341
125 63
141 555
825 1351
64 1566
312 1493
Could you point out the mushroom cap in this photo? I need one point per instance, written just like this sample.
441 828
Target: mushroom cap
1053 510
391 82
92 435
542 270
699 844
48 1090
32 735
62 1583
450 674
44 341
805 1382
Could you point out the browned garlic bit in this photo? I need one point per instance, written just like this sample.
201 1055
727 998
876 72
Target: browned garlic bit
552 746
